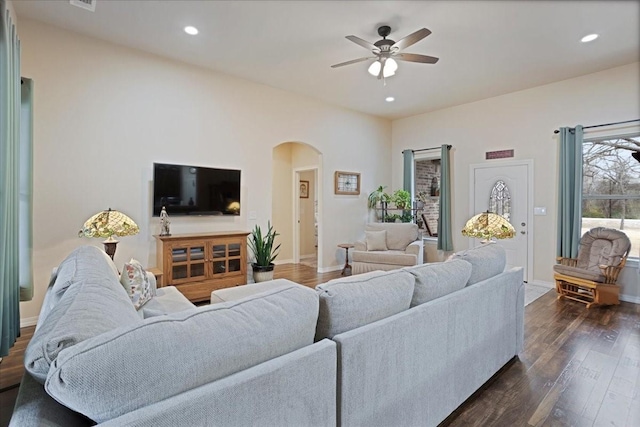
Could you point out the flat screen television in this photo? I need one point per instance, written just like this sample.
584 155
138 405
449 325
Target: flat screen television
195 190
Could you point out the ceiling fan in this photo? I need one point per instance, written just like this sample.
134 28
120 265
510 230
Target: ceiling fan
386 50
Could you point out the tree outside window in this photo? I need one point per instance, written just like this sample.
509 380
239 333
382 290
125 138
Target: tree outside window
611 185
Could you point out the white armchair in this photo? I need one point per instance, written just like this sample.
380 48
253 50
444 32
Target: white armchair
387 246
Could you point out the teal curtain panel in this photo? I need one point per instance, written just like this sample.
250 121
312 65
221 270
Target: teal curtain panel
9 180
445 237
570 192
407 177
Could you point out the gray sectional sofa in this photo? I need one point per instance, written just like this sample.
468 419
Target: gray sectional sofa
402 348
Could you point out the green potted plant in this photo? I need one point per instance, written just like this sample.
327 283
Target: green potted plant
264 252
402 199
378 195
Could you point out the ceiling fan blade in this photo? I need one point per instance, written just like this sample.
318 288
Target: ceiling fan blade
414 57
411 39
365 44
353 61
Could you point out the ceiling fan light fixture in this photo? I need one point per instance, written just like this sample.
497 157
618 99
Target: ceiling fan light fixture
374 68
390 67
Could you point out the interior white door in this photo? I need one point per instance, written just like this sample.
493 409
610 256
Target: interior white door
516 176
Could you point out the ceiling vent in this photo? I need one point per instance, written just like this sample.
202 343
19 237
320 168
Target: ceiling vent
85 4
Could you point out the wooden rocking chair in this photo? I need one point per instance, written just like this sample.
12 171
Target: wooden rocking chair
591 278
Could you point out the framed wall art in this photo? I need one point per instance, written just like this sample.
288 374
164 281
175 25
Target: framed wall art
304 189
347 183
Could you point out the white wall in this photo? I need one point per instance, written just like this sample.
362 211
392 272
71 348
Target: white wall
524 121
104 113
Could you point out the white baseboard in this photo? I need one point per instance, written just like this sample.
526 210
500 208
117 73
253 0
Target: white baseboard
630 298
330 269
283 261
544 284
28 321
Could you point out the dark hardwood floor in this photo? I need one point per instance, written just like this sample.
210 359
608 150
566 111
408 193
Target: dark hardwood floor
579 367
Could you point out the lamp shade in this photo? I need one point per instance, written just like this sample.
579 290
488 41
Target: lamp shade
109 223
488 225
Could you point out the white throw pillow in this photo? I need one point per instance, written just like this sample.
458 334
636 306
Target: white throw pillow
376 240
136 283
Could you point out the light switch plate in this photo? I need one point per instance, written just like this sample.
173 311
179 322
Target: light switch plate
253 215
540 210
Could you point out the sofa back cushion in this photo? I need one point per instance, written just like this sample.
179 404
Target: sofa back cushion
131 367
84 262
87 308
438 279
354 301
399 235
486 261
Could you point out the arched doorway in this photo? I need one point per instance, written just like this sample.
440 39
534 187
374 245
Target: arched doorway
297 202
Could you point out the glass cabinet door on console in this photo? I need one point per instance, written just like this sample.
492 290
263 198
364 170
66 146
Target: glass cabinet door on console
226 256
198 264
187 262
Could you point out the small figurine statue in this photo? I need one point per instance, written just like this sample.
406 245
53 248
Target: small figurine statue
164 223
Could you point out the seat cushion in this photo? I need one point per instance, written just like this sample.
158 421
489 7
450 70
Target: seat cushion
486 260
136 366
579 272
168 300
239 292
87 309
398 258
354 301
438 279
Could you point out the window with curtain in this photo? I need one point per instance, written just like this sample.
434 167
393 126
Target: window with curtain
611 185
427 190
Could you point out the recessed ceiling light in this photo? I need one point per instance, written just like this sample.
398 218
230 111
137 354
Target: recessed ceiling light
191 30
589 38
389 99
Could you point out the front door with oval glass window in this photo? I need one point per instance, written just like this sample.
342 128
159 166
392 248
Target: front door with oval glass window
504 189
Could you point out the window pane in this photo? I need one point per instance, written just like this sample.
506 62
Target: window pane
611 186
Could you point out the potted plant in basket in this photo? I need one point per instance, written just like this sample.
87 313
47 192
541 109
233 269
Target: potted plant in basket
402 199
264 252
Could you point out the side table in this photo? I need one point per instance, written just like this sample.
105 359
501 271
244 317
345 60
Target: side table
158 274
346 271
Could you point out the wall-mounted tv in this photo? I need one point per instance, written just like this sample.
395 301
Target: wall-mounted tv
195 190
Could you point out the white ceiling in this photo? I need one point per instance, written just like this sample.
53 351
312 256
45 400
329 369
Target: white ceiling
486 48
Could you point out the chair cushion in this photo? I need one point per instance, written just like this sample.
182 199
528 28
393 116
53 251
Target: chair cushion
385 257
354 301
486 260
579 272
136 366
87 309
376 240
438 279
601 246
399 235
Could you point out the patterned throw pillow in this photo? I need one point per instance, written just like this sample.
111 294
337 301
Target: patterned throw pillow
135 282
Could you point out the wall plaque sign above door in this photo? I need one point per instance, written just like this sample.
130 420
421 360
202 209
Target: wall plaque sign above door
500 154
